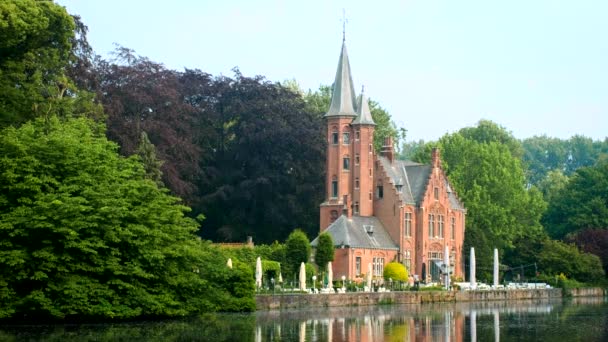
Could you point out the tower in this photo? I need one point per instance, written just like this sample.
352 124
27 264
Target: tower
349 157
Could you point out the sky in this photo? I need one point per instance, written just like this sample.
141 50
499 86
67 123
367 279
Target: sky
533 66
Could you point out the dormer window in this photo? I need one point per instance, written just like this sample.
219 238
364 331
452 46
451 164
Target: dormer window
436 194
399 187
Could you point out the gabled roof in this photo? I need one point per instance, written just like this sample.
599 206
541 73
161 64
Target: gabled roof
360 232
364 115
343 93
413 179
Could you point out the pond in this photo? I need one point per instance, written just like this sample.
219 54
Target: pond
578 319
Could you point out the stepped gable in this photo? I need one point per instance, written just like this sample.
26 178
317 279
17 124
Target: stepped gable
359 232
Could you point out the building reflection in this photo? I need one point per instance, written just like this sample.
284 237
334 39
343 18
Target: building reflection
414 323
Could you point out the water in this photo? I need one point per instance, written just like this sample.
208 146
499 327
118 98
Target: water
580 319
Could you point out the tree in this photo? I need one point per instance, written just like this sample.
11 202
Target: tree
325 250
395 271
86 235
583 203
147 152
35 50
593 241
297 251
557 257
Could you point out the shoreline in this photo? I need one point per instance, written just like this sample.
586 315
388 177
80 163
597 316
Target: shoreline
267 302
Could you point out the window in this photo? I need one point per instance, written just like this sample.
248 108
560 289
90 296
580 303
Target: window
408 261
370 148
356 208
408 224
357 183
358 265
380 191
345 138
333 215
357 159
334 187
370 195
370 171
357 135
453 227
435 256
431 225
440 226
334 137
436 193
346 163
378 266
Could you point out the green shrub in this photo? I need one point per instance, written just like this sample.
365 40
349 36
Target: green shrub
395 271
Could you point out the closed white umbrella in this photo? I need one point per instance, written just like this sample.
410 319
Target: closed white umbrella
280 278
369 276
472 279
229 263
446 261
330 276
258 273
495 267
302 277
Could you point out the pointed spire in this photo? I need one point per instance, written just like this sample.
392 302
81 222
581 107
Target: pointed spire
364 115
343 95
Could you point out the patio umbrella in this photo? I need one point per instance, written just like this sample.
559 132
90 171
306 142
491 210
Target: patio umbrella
280 278
446 261
472 280
495 267
302 277
330 276
229 263
369 276
258 273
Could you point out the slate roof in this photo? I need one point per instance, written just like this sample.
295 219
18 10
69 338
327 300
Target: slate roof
353 232
364 115
414 178
343 101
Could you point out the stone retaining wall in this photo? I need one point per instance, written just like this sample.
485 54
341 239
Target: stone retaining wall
297 301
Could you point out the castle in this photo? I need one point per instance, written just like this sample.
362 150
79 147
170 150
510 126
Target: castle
379 209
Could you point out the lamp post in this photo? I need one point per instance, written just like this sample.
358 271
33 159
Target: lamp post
343 279
314 282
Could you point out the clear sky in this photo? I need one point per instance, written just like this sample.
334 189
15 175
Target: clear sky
533 66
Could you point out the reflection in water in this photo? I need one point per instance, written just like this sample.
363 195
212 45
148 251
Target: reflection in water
445 322
579 319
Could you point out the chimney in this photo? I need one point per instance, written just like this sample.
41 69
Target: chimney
346 210
387 149
435 158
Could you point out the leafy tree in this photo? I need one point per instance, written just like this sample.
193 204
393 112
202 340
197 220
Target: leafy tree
297 250
557 257
325 250
552 185
147 153
35 50
85 235
583 203
395 271
593 241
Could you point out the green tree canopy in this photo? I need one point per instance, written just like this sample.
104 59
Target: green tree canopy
85 234
325 250
583 203
557 257
35 49
297 251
